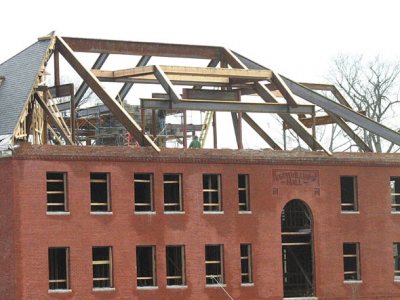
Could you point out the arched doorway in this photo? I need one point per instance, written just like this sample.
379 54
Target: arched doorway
297 250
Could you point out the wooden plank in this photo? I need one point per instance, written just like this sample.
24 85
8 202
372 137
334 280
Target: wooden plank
224 72
53 120
132 72
117 110
175 79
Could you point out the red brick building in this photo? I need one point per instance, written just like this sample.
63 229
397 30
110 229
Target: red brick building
146 221
30 227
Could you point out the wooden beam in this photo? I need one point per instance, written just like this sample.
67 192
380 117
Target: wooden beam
117 110
175 79
141 48
132 72
282 87
253 75
222 72
327 87
53 120
261 132
166 84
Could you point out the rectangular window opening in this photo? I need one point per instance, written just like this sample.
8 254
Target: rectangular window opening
143 192
175 258
145 265
351 261
214 264
99 192
348 191
243 189
212 192
396 257
102 267
173 192
395 193
58 268
245 259
56 192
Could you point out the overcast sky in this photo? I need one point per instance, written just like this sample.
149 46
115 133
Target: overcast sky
295 38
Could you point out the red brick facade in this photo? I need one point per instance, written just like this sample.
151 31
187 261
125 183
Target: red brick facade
26 231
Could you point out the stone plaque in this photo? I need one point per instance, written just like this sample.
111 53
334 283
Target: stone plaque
307 178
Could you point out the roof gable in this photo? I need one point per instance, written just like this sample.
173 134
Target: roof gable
19 73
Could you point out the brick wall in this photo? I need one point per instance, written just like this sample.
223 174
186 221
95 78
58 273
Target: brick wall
8 228
374 227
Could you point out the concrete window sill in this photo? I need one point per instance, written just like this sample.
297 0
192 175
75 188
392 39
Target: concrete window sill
350 212
215 285
105 289
352 281
58 213
247 284
174 212
245 212
60 291
145 212
101 213
177 286
213 212
147 288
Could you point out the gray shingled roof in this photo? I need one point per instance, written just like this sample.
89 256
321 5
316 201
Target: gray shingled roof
20 73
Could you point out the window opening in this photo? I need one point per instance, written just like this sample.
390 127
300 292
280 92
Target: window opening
348 191
175 257
99 192
102 267
143 192
243 189
214 264
351 261
58 268
245 259
395 193
172 192
396 257
145 264
56 192
297 250
212 192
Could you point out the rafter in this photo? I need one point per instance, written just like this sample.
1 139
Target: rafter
118 111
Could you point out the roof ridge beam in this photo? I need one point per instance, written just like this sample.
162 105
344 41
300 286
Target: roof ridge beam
142 48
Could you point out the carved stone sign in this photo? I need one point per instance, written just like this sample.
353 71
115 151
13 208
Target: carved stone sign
308 178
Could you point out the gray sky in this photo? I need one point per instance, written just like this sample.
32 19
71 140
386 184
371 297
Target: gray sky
295 38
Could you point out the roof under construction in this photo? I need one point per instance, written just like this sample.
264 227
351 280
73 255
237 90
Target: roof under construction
30 110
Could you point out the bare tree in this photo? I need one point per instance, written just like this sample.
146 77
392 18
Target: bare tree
372 88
